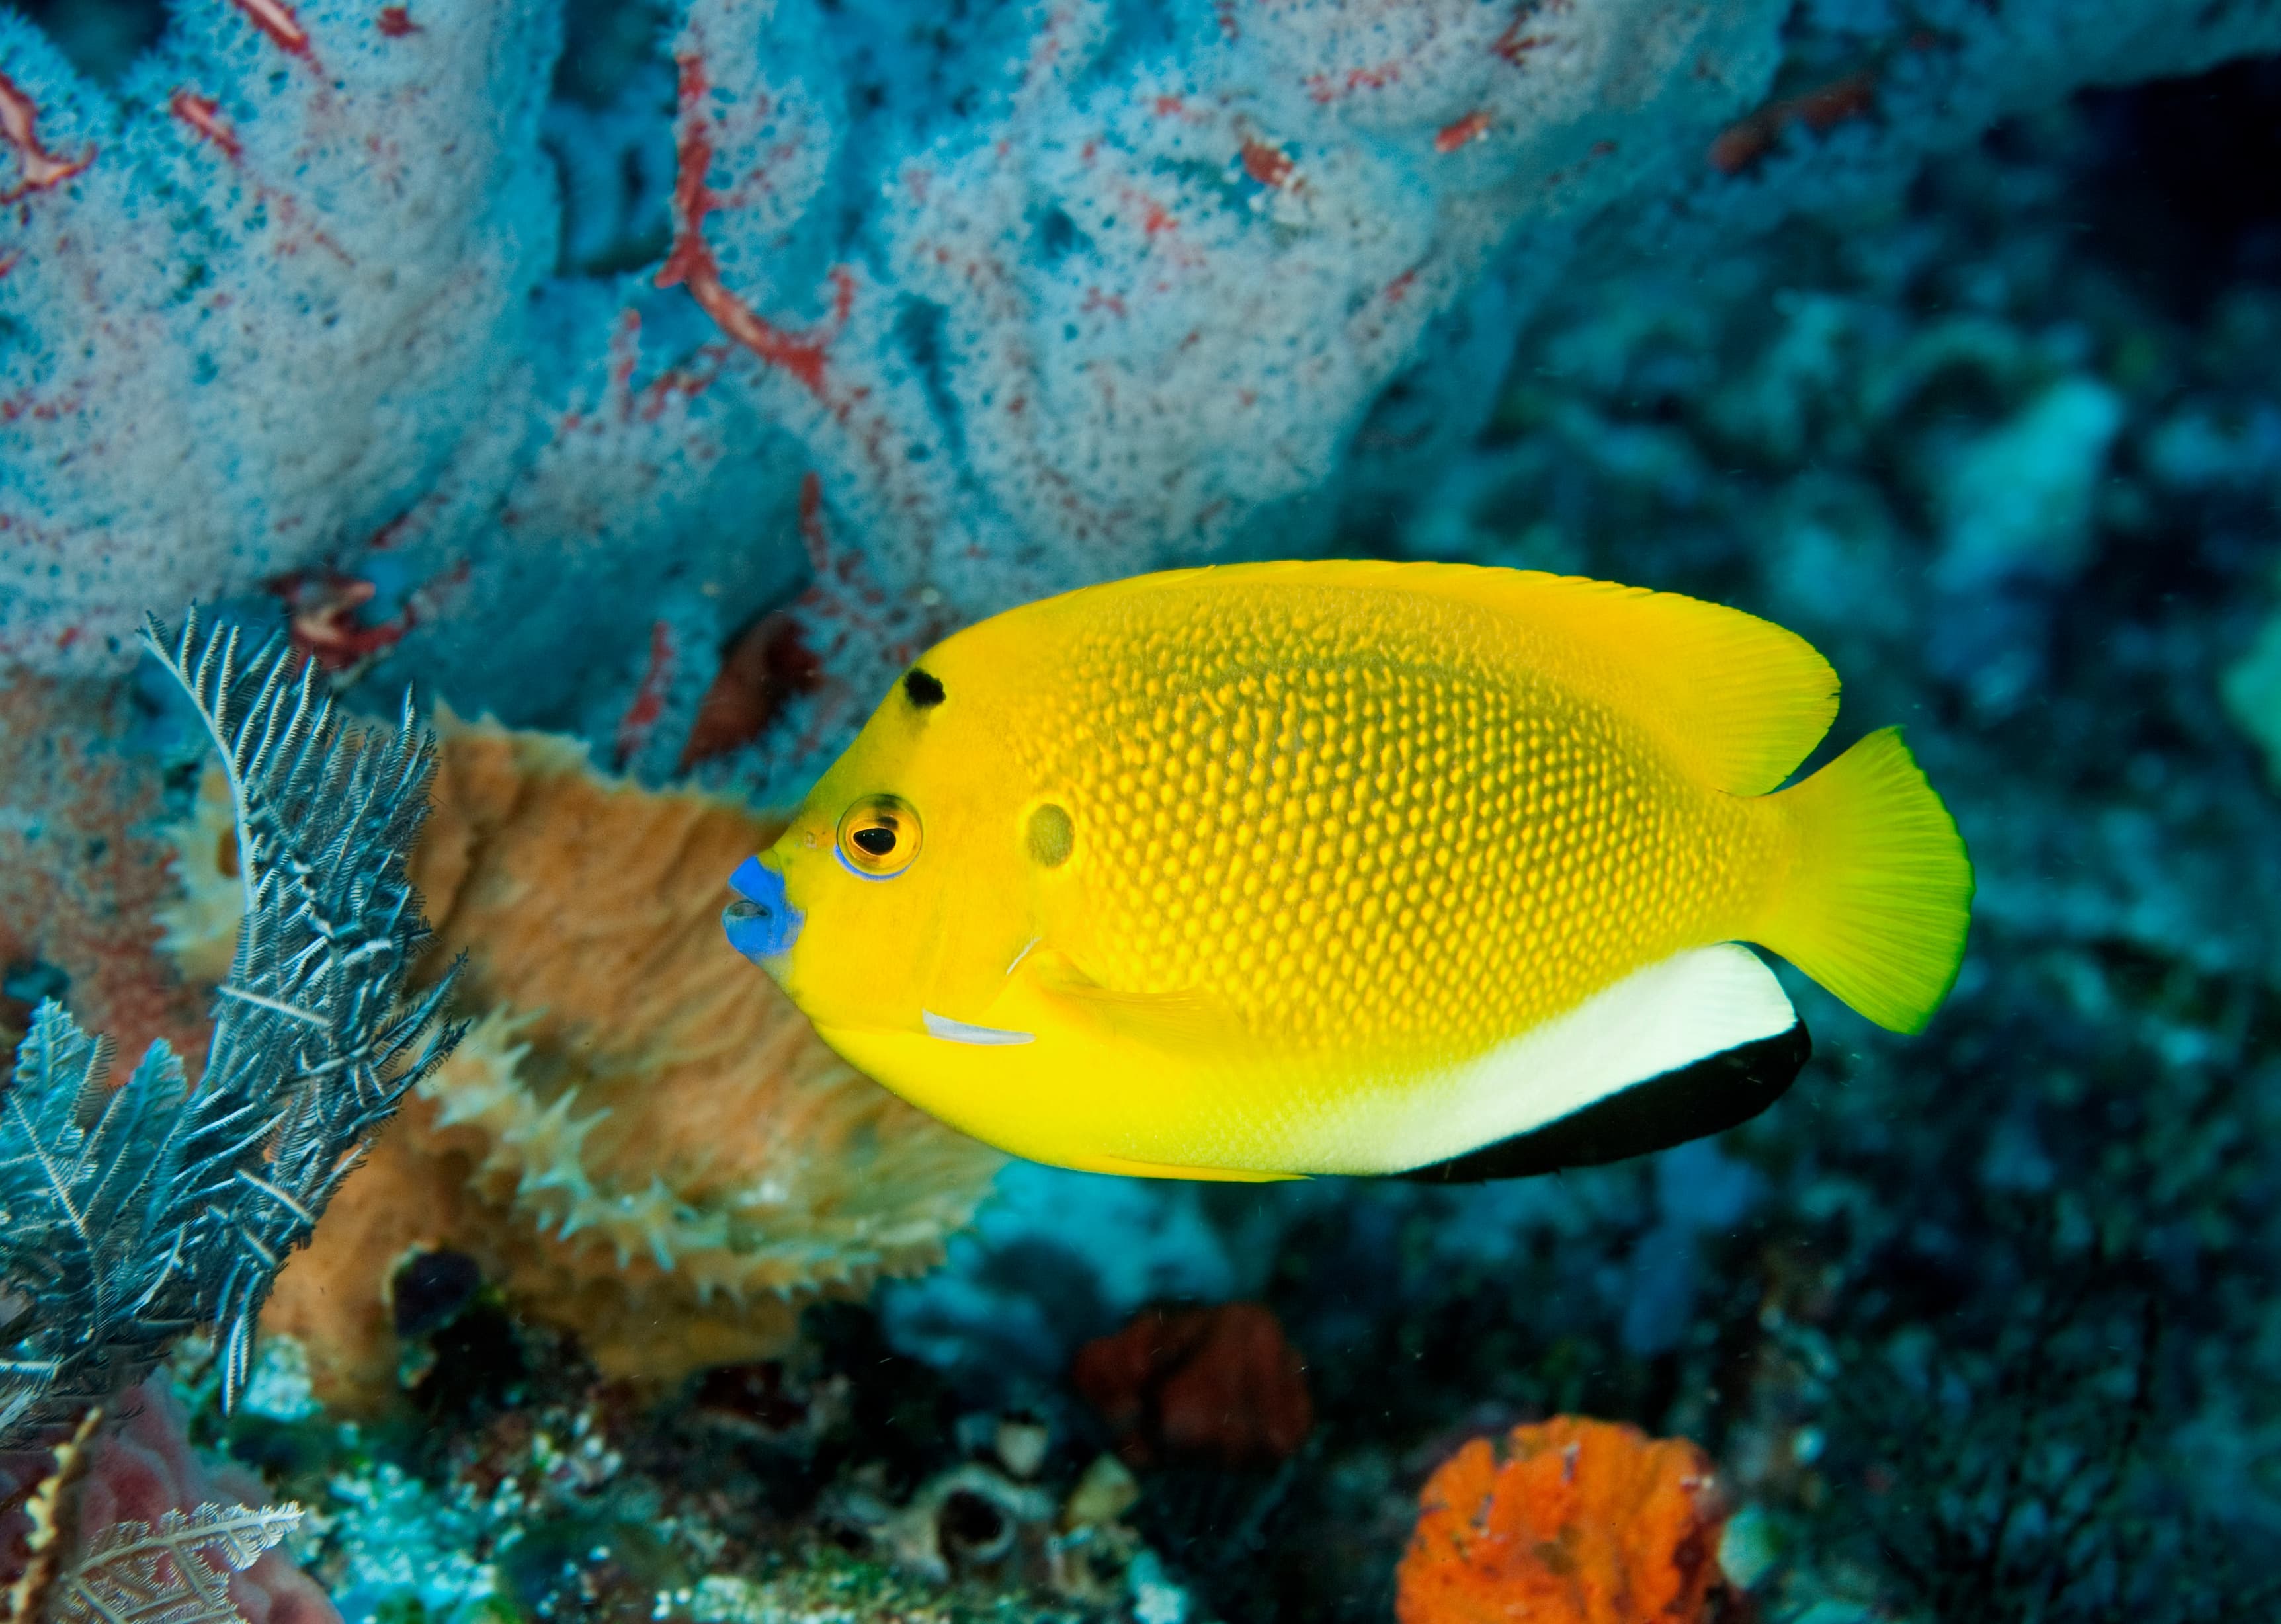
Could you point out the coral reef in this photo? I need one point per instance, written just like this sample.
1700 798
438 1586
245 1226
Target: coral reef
637 1138
2018 1479
1220 1384
830 1485
1566 1520
1057 1258
199 921
350 257
1019 297
1978 1326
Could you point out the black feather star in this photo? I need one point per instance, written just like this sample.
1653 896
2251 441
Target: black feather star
130 1216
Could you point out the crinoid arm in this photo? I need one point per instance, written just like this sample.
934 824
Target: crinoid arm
176 1570
130 1216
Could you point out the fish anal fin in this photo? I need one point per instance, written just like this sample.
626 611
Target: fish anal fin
1714 1094
1643 1040
1126 1168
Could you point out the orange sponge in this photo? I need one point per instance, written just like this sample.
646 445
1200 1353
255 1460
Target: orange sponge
640 1139
1566 1521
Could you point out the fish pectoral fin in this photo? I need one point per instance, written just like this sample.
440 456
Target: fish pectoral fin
1186 1020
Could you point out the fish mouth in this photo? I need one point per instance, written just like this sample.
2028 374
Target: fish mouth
761 923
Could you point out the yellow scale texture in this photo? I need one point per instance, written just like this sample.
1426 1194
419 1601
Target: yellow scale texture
1376 833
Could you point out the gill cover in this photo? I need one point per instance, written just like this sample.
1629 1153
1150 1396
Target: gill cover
904 872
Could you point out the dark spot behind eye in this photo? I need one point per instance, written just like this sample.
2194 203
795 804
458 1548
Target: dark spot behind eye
1052 836
924 688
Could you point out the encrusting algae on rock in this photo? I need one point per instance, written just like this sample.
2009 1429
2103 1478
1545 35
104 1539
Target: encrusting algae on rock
1565 1521
637 1140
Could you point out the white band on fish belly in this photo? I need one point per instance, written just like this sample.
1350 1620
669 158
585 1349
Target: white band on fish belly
964 1031
1695 1005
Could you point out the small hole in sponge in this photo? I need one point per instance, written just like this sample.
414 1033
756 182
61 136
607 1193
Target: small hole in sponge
431 1288
974 1527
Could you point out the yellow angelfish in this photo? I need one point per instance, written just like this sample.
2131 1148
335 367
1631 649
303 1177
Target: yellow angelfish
1353 867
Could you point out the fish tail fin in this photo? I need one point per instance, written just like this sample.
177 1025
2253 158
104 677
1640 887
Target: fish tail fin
1881 893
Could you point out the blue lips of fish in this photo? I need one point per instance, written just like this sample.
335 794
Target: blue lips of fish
761 922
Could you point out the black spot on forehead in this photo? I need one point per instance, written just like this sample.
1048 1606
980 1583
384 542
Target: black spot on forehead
924 688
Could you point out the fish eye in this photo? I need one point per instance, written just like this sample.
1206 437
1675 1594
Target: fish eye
878 837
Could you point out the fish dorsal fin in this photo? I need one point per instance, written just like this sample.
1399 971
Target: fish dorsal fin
1740 699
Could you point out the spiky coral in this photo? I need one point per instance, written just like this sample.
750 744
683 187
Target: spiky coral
640 1139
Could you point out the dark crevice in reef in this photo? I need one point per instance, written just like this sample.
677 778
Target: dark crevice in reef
99 37
2180 185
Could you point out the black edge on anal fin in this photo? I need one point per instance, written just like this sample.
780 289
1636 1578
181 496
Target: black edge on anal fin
1717 1092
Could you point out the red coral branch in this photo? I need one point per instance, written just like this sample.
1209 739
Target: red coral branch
845 607
322 607
1473 126
1514 46
278 23
1330 87
275 19
20 118
1266 162
691 264
39 408
766 665
396 22
202 115
1822 109
648 706
813 535
622 405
